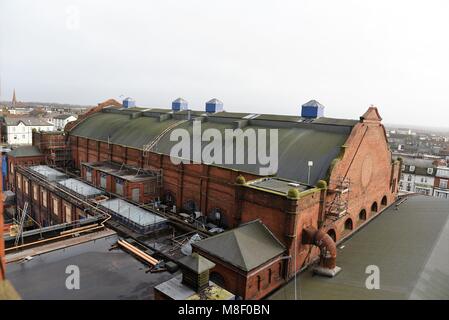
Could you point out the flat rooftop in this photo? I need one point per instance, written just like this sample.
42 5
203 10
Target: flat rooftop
48 172
134 213
80 187
408 245
278 185
123 172
104 274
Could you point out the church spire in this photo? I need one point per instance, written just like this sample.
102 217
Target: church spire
14 100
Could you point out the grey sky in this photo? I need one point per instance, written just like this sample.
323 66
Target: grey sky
256 56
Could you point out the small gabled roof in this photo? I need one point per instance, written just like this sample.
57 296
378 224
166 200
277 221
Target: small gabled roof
28 121
196 263
246 247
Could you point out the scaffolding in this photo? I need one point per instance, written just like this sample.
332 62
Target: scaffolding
59 153
338 207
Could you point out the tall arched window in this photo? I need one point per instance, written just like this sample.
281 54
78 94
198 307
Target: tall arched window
384 201
362 215
374 207
348 224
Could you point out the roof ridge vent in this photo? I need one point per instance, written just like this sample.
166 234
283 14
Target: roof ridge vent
179 105
312 109
214 105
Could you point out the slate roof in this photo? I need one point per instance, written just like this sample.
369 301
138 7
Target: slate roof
408 245
63 116
25 151
319 141
421 166
245 247
28 121
196 263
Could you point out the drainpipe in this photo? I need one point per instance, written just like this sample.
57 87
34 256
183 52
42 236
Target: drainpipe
328 258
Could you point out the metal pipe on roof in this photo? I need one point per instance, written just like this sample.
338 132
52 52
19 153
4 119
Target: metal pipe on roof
322 240
138 252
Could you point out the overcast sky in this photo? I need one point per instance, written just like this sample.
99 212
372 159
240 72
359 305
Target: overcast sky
255 56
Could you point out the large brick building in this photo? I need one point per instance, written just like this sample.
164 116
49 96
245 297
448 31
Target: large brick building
333 176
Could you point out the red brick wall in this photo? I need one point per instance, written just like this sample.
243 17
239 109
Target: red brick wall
253 286
368 165
15 161
2 243
44 211
209 187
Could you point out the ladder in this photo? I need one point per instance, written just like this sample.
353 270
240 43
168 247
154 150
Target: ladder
151 144
21 222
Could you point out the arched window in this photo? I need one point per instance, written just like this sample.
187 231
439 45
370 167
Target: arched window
362 215
374 207
259 282
348 224
384 201
190 206
332 234
217 216
169 199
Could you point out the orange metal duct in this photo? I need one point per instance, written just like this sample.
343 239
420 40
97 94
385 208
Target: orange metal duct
326 244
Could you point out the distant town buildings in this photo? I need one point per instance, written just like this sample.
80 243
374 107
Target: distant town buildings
60 120
425 157
18 131
441 183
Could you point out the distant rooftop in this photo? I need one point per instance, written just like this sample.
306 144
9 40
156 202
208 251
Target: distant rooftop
28 121
63 116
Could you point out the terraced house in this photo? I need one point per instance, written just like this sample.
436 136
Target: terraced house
333 175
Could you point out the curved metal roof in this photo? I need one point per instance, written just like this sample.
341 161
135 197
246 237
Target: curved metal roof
297 142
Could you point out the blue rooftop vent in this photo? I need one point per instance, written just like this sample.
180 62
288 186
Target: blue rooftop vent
179 104
214 105
128 103
312 109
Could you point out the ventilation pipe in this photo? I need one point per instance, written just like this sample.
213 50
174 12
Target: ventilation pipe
328 257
